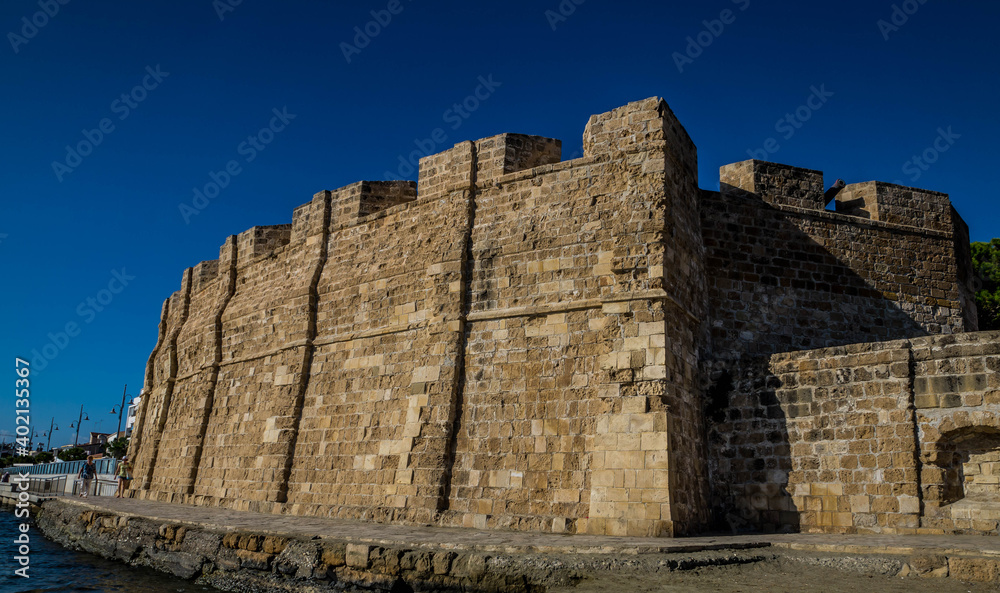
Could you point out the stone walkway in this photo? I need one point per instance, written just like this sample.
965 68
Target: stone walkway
451 538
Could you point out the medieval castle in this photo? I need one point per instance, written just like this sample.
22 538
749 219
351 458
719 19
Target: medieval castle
586 346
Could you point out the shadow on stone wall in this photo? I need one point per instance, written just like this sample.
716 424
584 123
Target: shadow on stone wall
782 281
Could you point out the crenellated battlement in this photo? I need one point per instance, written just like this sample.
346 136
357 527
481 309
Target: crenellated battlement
261 240
785 185
518 342
204 273
896 204
781 185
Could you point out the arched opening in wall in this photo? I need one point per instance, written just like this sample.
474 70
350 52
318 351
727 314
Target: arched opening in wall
965 484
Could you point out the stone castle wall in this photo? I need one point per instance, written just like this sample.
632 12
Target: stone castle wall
894 437
520 342
784 274
488 348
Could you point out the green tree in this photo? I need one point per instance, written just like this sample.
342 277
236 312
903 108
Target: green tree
44 457
118 447
986 263
72 454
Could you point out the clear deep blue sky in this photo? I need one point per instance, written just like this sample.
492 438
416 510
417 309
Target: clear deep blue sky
65 233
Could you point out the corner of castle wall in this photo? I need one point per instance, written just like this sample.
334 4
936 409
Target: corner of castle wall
446 171
227 253
204 273
897 204
259 240
307 219
510 153
631 128
781 185
360 199
913 207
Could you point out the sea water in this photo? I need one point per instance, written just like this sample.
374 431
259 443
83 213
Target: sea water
55 569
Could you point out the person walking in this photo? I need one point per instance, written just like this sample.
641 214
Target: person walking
87 474
124 476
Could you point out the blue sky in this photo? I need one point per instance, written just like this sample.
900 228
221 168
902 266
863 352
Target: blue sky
158 99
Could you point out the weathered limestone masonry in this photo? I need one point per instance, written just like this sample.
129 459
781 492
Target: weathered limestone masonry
510 343
786 274
896 437
519 342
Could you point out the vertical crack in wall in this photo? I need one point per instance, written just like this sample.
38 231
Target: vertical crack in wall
213 381
458 394
171 380
281 491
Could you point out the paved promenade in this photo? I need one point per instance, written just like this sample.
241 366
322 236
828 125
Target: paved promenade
459 539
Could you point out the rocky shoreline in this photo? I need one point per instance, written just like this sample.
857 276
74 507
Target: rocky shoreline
264 561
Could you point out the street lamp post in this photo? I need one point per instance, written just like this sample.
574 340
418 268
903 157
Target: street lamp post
52 426
79 421
121 409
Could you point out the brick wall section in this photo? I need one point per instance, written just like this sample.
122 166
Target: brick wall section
379 403
566 338
850 427
197 369
518 342
897 204
162 369
957 396
471 353
779 185
894 437
783 277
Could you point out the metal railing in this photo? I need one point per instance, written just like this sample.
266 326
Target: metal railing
47 486
106 465
98 487
55 486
